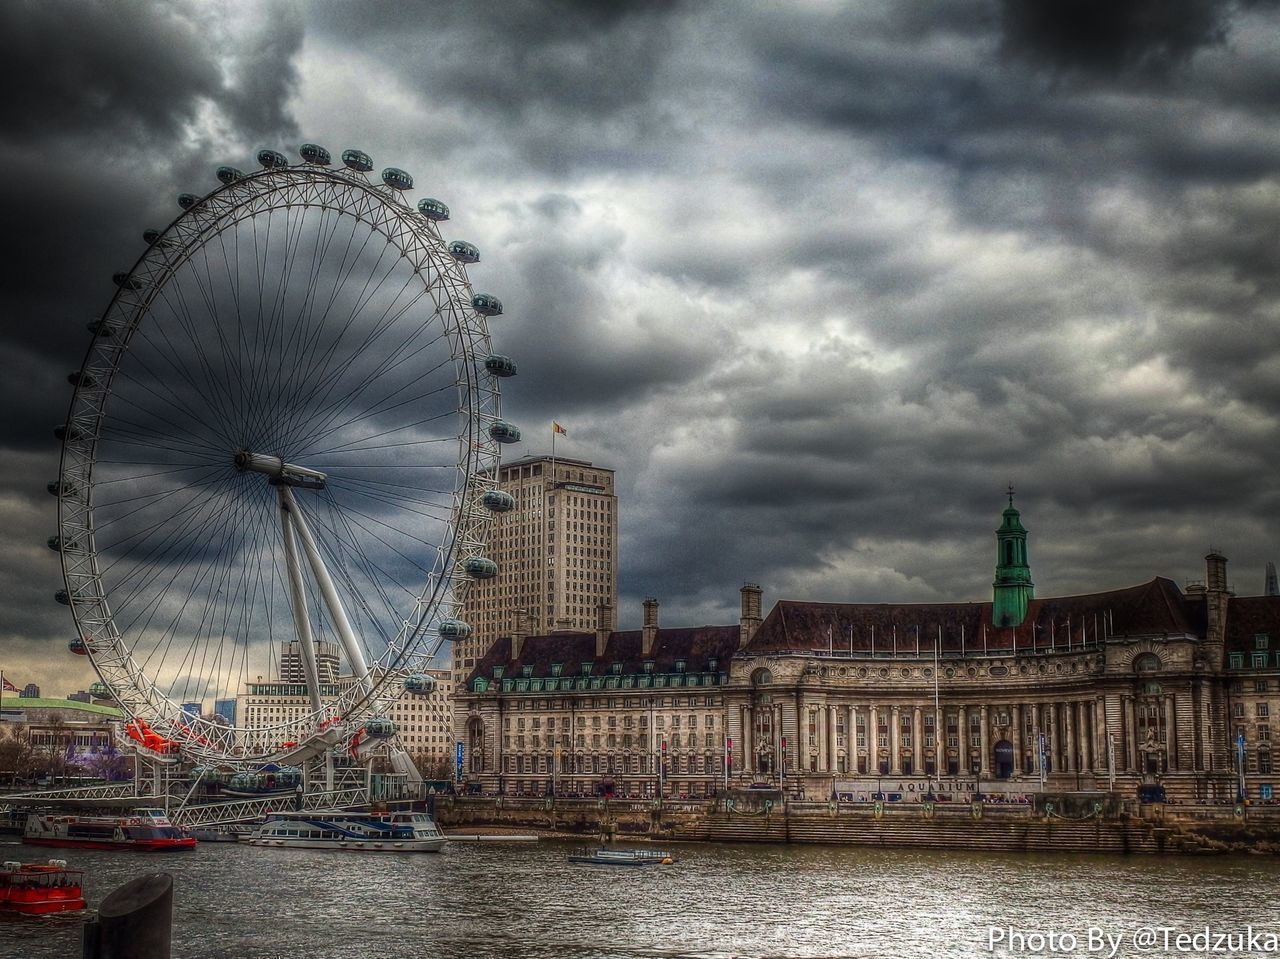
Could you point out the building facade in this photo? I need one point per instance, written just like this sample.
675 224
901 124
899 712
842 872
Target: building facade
557 555
1146 685
423 719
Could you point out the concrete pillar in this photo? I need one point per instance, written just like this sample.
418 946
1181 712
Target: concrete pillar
1170 733
1015 714
873 740
1068 720
748 746
917 742
833 740
984 750
962 728
895 747
819 736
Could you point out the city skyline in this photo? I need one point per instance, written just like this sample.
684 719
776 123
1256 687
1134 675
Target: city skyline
815 284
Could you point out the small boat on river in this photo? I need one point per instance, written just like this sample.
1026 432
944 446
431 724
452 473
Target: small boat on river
32 889
604 856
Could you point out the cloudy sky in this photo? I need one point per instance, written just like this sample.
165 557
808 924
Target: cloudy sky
818 280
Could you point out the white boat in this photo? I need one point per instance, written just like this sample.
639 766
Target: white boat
606 856
349 831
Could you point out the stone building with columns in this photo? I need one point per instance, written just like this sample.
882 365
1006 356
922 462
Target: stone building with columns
1147 684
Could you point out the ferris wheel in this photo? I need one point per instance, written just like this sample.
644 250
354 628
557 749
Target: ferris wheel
281 446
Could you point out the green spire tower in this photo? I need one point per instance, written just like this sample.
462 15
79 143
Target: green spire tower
1013 586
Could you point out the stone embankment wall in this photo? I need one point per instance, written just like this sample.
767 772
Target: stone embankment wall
1066 824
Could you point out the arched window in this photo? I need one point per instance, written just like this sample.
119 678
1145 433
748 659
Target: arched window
1147 663
1008 552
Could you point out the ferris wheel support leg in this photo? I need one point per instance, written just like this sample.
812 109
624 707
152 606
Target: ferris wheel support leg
298 600
403 764
350 645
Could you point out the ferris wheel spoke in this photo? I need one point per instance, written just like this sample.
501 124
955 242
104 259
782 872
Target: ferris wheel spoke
217 386
147 500
344 401
153 606
363 443
136 574
379 492
323 374
326 428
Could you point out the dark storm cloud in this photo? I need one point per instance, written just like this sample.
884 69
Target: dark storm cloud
1111 36
818 281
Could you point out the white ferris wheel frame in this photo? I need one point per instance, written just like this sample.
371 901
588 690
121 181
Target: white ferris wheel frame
417 237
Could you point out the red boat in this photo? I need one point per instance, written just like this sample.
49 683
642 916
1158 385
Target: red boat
147 830
33 890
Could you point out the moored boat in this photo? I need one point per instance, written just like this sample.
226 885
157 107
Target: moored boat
349 831
36 889
146 830
604 856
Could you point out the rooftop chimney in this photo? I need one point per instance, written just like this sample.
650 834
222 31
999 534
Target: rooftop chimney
750 620
520 633
649 631
1216 605
604 626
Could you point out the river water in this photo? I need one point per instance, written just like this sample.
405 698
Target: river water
517 900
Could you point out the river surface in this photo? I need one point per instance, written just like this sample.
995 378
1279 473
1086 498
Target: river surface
517 900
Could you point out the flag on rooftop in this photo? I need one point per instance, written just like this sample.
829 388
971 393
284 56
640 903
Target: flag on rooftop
7 686
557 428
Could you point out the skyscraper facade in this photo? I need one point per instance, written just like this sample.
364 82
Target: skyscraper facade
557 555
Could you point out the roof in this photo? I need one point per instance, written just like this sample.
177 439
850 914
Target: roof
1154 608
17 702
694 645
1248 616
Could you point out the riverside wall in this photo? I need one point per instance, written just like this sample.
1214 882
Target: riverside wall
1072 823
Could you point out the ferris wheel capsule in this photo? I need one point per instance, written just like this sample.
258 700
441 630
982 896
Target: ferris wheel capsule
498 501
187 200
315 154
229 174
272 160
79 647
504 432
500 365
464 252
419 683
433 209
397 179
453 629
486 304
357 160
480 567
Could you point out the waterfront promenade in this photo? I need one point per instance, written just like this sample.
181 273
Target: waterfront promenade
1067 824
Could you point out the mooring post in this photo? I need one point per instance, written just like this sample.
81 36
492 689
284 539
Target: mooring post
135 921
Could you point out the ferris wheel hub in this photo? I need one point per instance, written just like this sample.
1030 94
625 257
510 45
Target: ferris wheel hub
280 472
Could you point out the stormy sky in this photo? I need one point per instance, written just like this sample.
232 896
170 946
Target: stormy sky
818 280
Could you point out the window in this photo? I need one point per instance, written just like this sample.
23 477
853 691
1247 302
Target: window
1262 711
1237 711
1264 762
1260 686
1260 660
1261 640
1235 660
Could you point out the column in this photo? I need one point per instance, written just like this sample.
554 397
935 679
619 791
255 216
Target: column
917 742
747 746
833 740
1015 713
818 741
1170 733
1098 717
1068 720
984 751
873 740
962 728
895 748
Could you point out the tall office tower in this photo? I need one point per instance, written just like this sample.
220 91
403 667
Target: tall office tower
557 555
293 670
